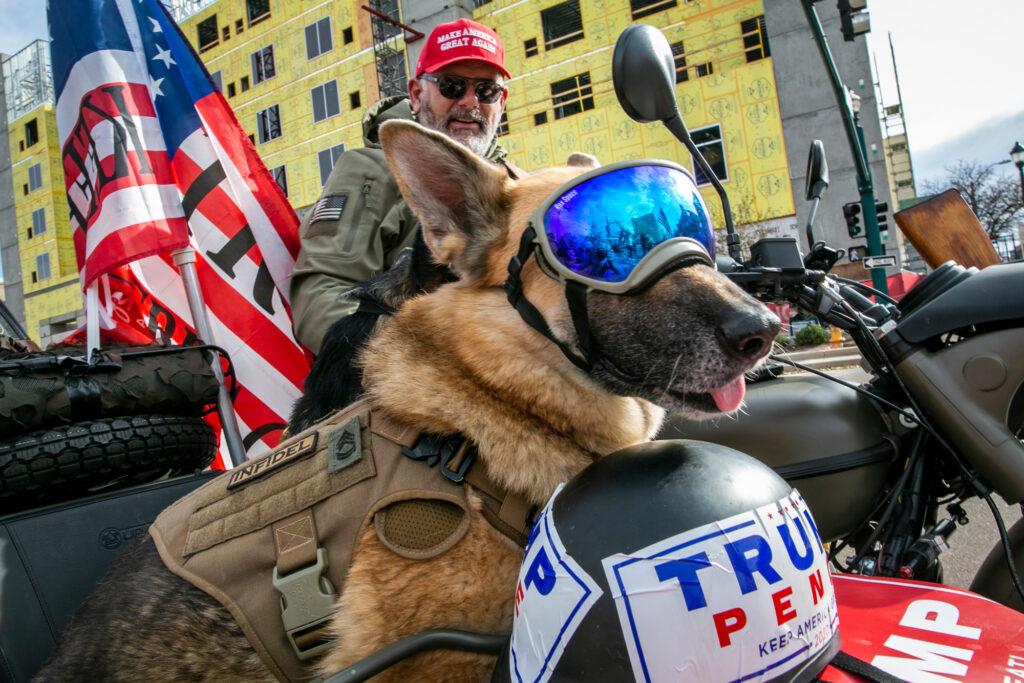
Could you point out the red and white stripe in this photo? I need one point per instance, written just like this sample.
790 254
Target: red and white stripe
140 219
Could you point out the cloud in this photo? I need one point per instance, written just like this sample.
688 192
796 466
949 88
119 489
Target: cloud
985 143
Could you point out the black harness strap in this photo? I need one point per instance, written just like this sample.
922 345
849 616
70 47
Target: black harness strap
529 313
850 664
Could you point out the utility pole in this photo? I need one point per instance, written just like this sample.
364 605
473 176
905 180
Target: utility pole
849 108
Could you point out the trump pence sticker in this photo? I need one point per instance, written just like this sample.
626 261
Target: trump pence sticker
747 598
553 596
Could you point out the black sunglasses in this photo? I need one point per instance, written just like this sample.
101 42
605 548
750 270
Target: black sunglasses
454 87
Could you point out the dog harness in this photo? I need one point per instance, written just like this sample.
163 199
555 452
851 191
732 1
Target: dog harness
272 540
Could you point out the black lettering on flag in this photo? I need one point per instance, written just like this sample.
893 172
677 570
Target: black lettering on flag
204 183
93 177
233 252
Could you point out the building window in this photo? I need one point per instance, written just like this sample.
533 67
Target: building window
239 26
225 33
263 65
755 39
43 266
642 8
268 123
679 54
231 89
530 48
281 178
540 118
217 80
705 69
38 222
31 132
562 24
325 101
503 124
257 10
346 35
243 83
572 95
318 38
206 33
709 142
354 100
35 177
327 158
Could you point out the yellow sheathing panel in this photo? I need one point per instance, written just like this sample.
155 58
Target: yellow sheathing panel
740 97
351 65
58 294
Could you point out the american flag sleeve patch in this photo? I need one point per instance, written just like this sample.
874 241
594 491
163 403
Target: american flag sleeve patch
328 208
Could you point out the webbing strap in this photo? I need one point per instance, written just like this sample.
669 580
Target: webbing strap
295 542
527 311
847 662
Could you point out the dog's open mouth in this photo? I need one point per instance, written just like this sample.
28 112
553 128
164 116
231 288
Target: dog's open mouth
724 399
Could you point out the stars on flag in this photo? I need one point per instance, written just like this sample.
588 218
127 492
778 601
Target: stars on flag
164 56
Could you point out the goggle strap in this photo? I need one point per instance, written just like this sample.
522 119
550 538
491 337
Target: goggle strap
529 313
576 296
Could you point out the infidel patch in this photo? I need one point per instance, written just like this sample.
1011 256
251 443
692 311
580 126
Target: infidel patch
257 468
344 446
328 208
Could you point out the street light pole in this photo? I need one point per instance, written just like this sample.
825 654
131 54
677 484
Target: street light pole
855 135
1017 154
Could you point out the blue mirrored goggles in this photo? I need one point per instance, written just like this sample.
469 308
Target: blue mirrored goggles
617 226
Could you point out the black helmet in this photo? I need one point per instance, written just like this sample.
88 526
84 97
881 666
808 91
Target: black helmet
673 560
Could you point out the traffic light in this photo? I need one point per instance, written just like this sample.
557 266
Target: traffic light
882 210
851 212
853 17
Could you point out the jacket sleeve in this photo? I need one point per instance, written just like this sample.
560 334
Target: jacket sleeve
340 250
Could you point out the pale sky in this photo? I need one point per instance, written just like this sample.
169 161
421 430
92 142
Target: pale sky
960 66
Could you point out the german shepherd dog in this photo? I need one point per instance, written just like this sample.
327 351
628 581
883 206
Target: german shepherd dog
460 360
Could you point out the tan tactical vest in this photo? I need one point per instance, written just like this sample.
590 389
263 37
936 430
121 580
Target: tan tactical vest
272 540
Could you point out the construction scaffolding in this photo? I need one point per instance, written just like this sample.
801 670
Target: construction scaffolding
28 79
388 51
182 9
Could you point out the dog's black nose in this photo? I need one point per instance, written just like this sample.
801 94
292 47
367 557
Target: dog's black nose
749 334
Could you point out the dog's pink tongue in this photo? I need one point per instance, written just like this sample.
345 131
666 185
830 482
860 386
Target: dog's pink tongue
729 397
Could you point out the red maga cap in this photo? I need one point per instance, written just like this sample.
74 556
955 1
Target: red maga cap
461 40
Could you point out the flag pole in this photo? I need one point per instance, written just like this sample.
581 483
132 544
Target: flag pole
92 319
185 259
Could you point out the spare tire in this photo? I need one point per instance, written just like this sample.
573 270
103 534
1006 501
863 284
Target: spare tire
51 388
71 460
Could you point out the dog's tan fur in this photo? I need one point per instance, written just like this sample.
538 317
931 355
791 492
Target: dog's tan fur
461 360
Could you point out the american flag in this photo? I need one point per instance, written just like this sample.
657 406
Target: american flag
155 160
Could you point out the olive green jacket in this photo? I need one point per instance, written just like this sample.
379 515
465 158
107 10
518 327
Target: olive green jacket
355 230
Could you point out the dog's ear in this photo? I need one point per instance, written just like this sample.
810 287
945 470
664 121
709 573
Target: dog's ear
459 198
582 160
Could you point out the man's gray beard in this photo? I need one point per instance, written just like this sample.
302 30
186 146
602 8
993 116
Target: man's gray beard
479 143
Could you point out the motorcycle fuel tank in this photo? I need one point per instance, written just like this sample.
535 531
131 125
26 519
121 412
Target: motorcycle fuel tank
826 440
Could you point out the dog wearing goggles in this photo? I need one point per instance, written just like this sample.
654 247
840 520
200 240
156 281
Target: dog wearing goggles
569 330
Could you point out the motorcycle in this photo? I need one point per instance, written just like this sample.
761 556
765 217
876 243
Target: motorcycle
884 466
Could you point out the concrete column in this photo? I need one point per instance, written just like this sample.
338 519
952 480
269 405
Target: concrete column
424 15
13 294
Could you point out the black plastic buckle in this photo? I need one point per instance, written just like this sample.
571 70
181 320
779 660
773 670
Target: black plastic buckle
433 449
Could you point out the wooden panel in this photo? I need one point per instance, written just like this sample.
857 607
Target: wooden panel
944 228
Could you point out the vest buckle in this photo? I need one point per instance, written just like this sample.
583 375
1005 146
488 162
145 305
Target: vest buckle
307 602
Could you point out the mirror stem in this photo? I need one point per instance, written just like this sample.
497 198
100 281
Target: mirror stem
810 224
676 126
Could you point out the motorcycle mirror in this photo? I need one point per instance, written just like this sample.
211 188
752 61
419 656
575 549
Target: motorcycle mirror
817 171
644 74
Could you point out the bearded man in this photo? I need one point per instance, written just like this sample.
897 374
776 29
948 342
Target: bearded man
360 224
